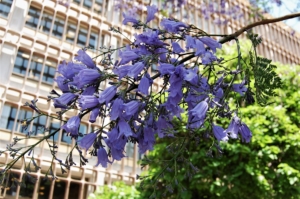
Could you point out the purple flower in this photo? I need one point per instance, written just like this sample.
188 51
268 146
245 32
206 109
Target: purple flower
64 100
71 127
70 69
162 126
89 90
144 85
245 133
240 88
94 115
62 83
200 49
233 128
208 57
131 108
121 71
149 37
87 141
116 109
136 69
190 42
172 26
200 110
177 48
219 133
166 69
88 101
211 43
130 17
86 76
151 10
102 157
107 94
127 55
83 57
124 128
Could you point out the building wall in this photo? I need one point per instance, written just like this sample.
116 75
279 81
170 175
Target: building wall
35 36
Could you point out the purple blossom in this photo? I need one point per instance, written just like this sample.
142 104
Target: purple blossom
86 76
89 90
88 101
64 100
239 88
219 133
211 43
208 57
233 128
124 128
151 10
121 71
149 37
131 108
102 157
62 83
107 94
200 110
130 17
173 26
116 109
200 49
190 42
166 69
71 127
162 126
144 85
176 48
87 141
127 55
245 133
70 69
136 69
83 57
94 115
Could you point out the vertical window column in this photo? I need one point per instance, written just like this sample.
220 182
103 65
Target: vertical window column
33 17
21 62
5 6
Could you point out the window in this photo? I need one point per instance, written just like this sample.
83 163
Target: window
130 149
23 114
71 32
49 72
5 6
87 4
46 22
8 117
77 1
58 27
36 67
54 126
98 6
39 125
82 36
93 42
33 17
21 62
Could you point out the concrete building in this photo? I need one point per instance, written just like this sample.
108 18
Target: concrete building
35 36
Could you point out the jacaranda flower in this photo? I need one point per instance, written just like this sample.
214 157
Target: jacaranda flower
211 43
87 141
107 94
245 133
219 133
72 126
200 110
240 88
233 128
127 55
86 76
151 10
136 69
177 48
102 157
62 83
172 26
88 101
94 115
144 85
116 109
83 57
64 100
124 128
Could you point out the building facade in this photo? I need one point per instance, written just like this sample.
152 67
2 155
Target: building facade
36 35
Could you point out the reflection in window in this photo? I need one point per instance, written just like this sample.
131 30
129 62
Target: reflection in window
23 114
71 32
21 62
33 17
8 117
82 36
46 22
58 27
49 72
36 67
93 40
5 6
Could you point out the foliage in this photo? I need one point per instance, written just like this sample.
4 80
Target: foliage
265 168
119 190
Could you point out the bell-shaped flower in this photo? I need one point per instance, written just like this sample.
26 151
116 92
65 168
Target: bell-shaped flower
190 42
124 128
72 126
208 58
88 101
116 109
107 94
94 114
87 141
84 58
200 110
173 26
200 49
240 88
102 157
130 17
166 69
149 37
64 100
176 48
151 10
245 133
144 85
136 69
62 84
233 128
121 71
131 108
70 69
86 76
219 133
127 55
211 43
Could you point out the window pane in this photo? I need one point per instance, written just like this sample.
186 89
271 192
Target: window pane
71 32
87 3
58 27
49 72
5 6
21 62
54 125
46 22
82 36
23 114
39 125
8 117
77 1
33 17
66 138
83 129
93 40
98 6
36 67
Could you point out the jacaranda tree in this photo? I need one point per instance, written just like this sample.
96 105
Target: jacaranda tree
196 86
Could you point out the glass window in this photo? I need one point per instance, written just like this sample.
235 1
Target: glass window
39 125
46 22
5 6
8 117
71 32
54 125
93 42
21 62
98 6
49 72
23 114
87 3
58 27
129 149
82 36
36 67
33 17
77 1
